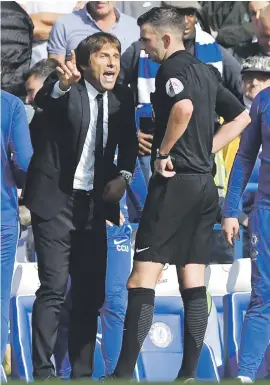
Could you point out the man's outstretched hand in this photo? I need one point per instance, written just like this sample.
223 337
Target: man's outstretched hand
68 73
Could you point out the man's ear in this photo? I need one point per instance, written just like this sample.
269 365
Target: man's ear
166 38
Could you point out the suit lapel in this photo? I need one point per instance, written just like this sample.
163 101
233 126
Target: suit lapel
81 118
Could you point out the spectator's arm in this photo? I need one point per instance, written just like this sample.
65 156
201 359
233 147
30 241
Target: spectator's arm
234 35
43 22
232 78
20 143
57 42
129 64
128 143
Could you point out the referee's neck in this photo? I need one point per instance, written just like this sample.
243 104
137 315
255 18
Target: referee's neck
171 50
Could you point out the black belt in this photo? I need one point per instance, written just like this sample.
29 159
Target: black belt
82 193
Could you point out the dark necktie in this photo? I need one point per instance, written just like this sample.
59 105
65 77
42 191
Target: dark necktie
98 175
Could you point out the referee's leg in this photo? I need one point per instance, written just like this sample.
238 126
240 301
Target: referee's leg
139 315
194 296
141 283
192 283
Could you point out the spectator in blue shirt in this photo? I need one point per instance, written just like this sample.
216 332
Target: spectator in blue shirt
96 16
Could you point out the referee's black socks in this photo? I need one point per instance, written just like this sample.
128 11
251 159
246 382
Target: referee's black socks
195 324
138 321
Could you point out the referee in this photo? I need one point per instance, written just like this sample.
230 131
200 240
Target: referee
182 202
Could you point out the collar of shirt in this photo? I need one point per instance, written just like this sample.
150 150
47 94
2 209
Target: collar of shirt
92 91
88 16
247 103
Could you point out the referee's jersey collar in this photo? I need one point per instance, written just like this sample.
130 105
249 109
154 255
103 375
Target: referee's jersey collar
179 52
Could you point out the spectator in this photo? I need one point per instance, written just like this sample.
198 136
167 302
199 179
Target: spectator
16 152
34 79
96 16
260 47
255 8
229 22
44 14
16 46
66 191
256 77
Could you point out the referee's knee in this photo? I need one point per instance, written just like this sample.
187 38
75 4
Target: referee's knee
135 281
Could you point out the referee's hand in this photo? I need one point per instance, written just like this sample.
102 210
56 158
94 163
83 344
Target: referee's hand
230 228
164 167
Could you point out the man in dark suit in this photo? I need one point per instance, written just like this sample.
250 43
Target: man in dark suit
72 188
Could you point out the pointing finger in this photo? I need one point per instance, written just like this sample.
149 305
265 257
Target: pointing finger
73 57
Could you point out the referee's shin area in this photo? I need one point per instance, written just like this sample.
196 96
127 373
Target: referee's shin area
116 382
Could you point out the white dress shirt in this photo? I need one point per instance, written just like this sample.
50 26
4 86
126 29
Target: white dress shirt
84 174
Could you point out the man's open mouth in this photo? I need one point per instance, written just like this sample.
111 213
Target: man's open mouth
109 76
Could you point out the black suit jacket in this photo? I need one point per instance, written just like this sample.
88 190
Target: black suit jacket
65 122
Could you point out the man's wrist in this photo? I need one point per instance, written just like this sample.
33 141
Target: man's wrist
63 87
162 155
126 175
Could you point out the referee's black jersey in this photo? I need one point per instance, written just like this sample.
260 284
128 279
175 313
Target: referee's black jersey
180 77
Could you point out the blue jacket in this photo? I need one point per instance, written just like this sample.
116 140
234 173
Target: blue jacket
16 152
254 136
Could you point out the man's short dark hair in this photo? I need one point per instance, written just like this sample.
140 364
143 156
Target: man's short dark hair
92 44
41 69
160 17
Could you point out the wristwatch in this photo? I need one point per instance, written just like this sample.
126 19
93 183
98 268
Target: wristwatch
161 156
126 175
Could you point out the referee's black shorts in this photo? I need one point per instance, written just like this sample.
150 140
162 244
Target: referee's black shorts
177 221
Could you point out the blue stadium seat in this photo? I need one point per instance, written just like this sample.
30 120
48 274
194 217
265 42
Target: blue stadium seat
235 307
21 335
218 301
162 351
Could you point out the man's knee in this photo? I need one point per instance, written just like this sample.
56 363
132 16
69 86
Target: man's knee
55 289
145 275
191 276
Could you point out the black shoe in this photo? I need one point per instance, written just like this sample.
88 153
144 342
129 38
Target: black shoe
110 377
186 380
51 377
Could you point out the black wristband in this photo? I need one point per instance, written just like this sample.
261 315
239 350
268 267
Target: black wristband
162 156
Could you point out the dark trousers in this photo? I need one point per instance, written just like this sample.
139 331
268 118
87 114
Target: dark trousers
73 242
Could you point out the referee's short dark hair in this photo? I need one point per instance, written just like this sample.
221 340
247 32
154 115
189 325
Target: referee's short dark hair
41 69
164 17
94 43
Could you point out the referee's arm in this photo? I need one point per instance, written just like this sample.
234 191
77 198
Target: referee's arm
179 118
235 116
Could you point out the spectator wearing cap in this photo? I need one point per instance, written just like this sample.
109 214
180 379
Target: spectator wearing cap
95 16
139 71
260 47
256 77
